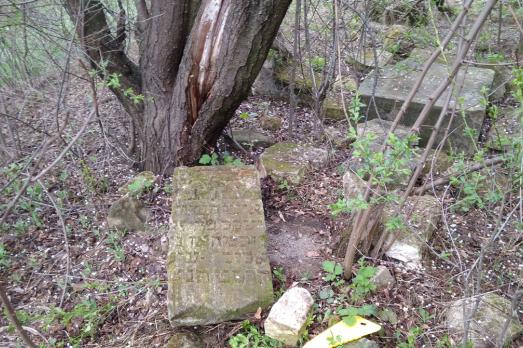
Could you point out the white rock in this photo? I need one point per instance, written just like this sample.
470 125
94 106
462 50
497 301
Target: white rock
288 316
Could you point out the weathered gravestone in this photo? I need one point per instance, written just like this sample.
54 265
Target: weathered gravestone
395 82
218 267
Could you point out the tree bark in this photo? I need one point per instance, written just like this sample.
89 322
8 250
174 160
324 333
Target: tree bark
198 60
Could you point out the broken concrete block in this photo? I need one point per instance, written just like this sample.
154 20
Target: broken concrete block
288 316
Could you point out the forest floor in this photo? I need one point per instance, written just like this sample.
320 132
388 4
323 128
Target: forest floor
71 279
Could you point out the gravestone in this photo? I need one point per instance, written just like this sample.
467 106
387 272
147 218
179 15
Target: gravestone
217 266
395 82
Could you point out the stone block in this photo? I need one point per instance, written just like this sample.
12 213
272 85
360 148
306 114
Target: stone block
353 185
486 323
288 316
272 123
249 138
128 213
217 264
395 82
290 161
368 58
185 340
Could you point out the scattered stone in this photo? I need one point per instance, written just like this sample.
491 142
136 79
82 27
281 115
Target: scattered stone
383 279
438 164
265 83
290 161
401 12
217 265
395 82
128 213
346 84
272 123
362 343
353 185
249 138
288 316
336 137
487 323
185 340
395 41
505 130
367 59
421 215
332 109
303 83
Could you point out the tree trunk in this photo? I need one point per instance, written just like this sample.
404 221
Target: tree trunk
198 60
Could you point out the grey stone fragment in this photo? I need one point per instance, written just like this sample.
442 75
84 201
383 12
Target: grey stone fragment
217 264
185 340
488 321
395 82
383 279
290 161
353 185
336 137
272 123
421 215
367 59
250 138
128 213
362 343
265 83
288 316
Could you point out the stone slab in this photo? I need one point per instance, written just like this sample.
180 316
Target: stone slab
250 138
217 266
395 82
291 162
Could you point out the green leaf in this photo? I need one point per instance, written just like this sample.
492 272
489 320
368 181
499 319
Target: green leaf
350 320
244 116
328 266
205 159
367 310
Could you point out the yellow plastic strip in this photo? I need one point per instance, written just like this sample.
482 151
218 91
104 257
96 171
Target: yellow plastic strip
341 333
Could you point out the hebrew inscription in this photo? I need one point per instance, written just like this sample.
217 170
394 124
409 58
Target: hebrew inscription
218 267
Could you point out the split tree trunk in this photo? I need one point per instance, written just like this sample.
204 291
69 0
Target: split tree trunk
198 60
